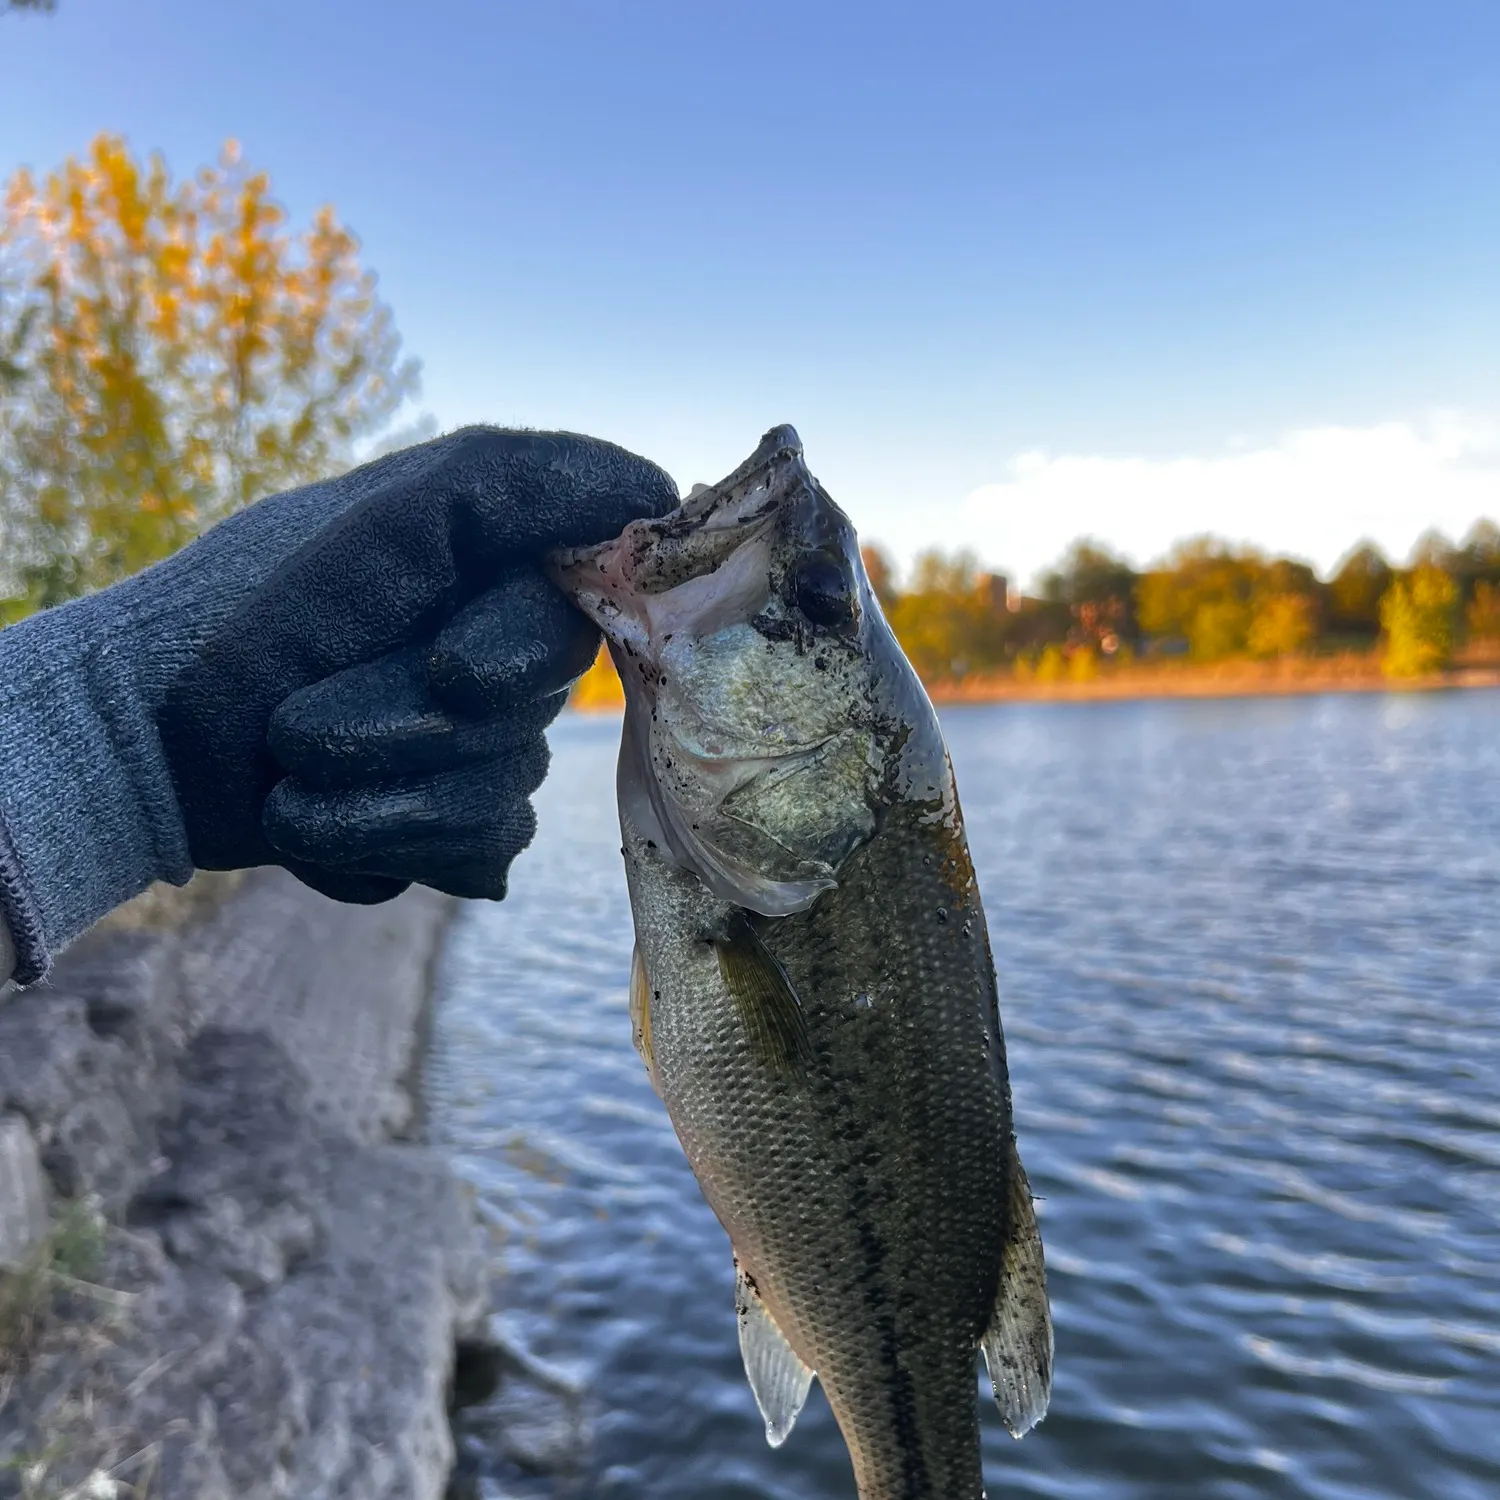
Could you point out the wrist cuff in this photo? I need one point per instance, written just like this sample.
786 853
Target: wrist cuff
85 796
21 915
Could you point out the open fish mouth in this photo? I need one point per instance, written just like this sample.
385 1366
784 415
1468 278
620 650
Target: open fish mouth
661 576
712 614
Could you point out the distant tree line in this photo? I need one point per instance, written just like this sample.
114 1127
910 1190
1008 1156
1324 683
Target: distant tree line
1207 601
170 348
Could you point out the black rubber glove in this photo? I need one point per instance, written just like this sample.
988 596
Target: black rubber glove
371 711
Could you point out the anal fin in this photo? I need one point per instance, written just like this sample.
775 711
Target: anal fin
1018 1343
777 1376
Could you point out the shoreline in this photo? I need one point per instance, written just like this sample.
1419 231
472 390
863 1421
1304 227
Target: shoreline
1204 682
1298 678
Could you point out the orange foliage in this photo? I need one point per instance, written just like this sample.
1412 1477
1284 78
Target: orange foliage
599 689
169 351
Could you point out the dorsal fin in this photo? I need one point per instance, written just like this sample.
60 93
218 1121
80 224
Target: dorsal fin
777 1376
1018 1343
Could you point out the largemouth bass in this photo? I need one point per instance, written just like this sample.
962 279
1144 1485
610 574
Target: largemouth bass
812 989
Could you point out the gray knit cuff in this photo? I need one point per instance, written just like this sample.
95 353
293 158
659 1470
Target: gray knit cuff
20 913
87 804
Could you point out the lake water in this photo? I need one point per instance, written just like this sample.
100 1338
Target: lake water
1249 954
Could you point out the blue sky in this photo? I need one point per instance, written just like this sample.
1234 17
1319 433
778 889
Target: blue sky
1016 271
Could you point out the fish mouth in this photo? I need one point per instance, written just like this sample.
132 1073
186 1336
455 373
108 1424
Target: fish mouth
656 556
734 554
767 535
768 473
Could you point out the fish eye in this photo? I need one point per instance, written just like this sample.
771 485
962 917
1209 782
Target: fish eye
824 591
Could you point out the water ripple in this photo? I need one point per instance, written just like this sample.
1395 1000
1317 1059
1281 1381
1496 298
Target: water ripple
1249 958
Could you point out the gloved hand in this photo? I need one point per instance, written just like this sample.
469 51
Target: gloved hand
350 680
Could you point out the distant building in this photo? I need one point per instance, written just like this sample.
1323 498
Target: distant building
1000 597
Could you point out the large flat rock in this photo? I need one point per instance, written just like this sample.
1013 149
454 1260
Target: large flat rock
288 1273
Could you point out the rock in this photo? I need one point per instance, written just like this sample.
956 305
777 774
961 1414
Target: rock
48 1055
536 1417
24 1219
399 1238
88 1060
342 988
262 1403
293 1281
539 1429
247 1176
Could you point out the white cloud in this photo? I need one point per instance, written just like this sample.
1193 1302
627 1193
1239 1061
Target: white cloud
1313 494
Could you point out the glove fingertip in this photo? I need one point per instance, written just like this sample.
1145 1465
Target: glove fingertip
352 890
481 884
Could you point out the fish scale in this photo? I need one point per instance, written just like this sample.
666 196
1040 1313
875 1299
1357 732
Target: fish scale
814 992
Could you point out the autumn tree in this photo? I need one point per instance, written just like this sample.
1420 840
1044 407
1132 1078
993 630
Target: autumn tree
951 621
937 572
169 350
1202 594
1476 560
1433 549
1356 589
1417 616
1098 587
1483 613
1227 601
1052 665
1281 624
1286 608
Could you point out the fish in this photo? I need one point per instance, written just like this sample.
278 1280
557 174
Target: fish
812 990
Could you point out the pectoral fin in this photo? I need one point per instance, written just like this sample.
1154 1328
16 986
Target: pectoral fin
779 1379
763 995
1018 1343
640 1014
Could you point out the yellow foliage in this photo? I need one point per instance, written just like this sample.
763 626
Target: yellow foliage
1282 624
1083 664
168 352
949 624
1416 613
1218 628
1052 666
599 690
1213 595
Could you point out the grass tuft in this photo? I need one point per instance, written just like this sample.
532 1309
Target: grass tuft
61 1265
